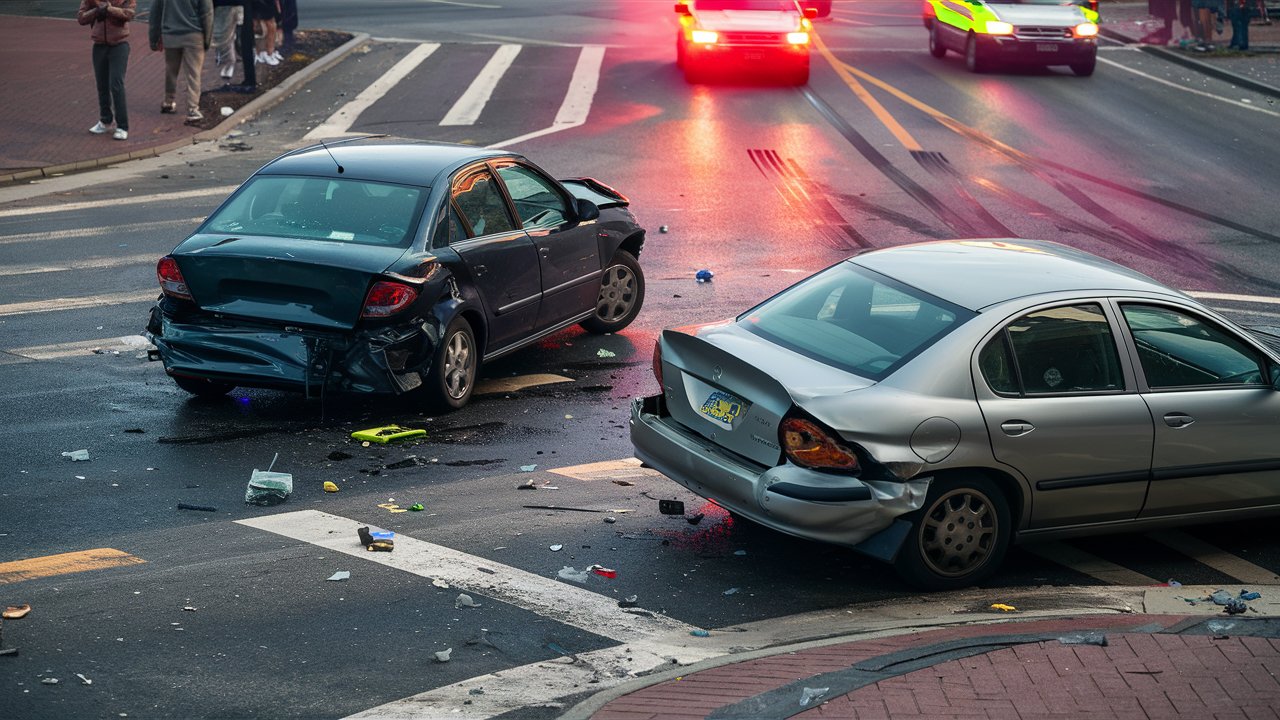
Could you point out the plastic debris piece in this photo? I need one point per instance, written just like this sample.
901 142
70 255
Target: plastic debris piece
440 583
699 633
417 507
527 486
1220 597
739 552
340 576
387 433
1248 595
603 571
671 507
1173 583
465 600
76 455
330 486
731 591
572 574
443 655
1003 608
602 353
80 477
201 508
268 488
9 651
704 275
1235 606
528 468
664 229
611 519
50 681
568 417
695 519
84 680
623 483
629 601
812 695
376 540
226 111
557 548
13 612
189 608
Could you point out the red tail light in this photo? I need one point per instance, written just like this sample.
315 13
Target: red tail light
657 363
171 281
807 444
388 298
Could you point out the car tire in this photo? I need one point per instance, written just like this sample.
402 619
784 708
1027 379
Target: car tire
203 388
972 58
621 295
453 369
1084 68
958 537
936 48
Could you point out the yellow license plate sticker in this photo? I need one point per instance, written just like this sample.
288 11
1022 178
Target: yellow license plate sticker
722 408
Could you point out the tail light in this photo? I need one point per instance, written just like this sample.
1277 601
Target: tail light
657 363
387 298
1086 30
996 27
171 281
798 38
705 37
807 444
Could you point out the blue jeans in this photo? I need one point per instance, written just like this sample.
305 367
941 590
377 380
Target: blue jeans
109 64
1239 26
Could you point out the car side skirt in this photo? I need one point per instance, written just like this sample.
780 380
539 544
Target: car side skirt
1144 524
488 357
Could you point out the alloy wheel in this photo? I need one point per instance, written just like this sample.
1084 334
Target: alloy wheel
457 365
958 532
617 293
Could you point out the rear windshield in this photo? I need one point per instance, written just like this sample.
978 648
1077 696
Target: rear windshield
356 211
854 319
746 4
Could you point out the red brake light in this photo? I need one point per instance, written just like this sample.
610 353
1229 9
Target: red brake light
387 298
171 281
808 445
657 363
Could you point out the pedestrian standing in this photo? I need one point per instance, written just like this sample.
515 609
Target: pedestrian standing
109 21
1239 12
267 15
227 16
184 30
288 23
1209 13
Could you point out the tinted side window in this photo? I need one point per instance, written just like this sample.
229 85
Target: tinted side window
478 198
1065 349
449 229
536 200
1179 350
996 363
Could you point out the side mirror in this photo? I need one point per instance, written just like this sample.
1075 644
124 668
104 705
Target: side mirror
811 13
682 9
587 210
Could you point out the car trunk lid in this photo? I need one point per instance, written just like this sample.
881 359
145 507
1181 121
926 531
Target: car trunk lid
306 282
734 388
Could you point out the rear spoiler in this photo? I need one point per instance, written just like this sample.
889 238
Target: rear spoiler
595 191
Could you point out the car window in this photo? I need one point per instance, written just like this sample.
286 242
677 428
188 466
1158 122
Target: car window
996 363
340 210
449 228
537 202
854 319
480 200
1179 350
1063 349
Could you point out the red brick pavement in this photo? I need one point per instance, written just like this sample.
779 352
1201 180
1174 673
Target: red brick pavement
1137 675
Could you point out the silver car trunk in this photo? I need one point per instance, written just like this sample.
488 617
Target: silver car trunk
734 388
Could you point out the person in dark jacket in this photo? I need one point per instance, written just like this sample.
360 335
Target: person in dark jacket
109 21
183 29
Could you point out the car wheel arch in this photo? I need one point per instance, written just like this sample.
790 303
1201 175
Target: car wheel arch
632 244
1014 490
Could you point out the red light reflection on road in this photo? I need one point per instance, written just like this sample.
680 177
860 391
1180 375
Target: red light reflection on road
713 535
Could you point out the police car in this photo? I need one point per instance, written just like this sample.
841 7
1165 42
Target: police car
749 35
1031 32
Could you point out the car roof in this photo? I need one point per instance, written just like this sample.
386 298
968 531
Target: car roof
976 274
410 162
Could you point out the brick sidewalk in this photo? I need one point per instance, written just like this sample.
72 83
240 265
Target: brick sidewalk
1152 666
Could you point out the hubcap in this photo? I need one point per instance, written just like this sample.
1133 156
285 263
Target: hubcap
457 365
958 532
617 293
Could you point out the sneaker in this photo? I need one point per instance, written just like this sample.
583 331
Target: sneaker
260 58
120 134
195 116
227 71
169 108
270 59
99 128
277 56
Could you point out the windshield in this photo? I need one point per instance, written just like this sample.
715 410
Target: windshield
746 5
854 319
356 211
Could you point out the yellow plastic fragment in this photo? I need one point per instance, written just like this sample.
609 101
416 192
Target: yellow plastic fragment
387 433
330 486
1002 606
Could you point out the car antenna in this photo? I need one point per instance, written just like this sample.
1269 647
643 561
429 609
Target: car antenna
331 157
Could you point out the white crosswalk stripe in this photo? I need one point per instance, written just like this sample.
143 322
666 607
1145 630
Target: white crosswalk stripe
468 107
341 121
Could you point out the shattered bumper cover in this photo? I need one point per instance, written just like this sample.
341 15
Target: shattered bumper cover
819 506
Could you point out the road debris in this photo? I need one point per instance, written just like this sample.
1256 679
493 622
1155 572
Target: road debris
392 507
189 608
84 680
443 655
528 468
49 681
1003 608
439 583
417 507
704 275
615 511
572 574
376 540
629 601
76 455
602 353
340 576
730 591
623 483
556 548
699 633
812 695
611 519
465 600
387 433
201 508
671 507
13 612
268 488
664 229
604 571
330 486
694 519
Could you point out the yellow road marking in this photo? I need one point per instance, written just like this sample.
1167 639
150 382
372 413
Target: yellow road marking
1215 557
607 470
872 104
65 564
1076 559
517 383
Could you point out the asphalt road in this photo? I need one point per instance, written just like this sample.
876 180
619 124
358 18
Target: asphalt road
759 182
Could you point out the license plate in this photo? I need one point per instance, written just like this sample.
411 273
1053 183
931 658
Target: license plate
754 55
722 408
1046 47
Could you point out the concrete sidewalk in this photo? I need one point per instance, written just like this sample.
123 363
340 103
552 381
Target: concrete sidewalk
1113 666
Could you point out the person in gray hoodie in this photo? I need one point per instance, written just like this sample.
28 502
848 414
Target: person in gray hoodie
183 29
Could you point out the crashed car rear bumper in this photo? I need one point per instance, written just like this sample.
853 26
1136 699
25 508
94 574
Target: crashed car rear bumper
390 360
790 499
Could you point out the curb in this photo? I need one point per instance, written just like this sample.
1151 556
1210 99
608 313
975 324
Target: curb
246 112
1201 67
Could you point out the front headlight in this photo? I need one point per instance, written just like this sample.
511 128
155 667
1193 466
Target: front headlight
997 27
705 37
798 38
1086 30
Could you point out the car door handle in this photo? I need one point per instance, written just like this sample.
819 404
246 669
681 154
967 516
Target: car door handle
1016 428
1178 420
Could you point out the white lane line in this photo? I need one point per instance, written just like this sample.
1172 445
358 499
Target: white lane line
92 264
116 231
76 303
117 202
577 102
122 344
1082 562
1231 297
341 121
1162 81
468 108
560 601
1215 557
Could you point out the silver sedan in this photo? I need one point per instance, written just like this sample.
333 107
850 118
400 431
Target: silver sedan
929 404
